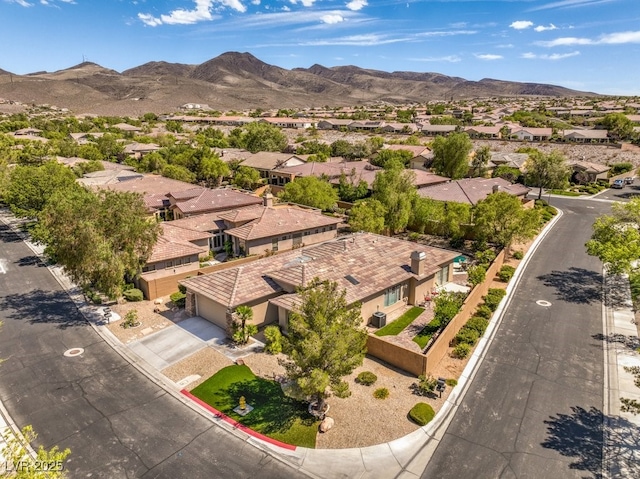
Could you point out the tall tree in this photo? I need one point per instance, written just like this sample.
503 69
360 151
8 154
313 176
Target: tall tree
310 191
30 187
351 188
451 155
367 215
99 238
246 178
481 160
326 341
394 187
619 125
547 170
616 237
259 136
384 156
500 218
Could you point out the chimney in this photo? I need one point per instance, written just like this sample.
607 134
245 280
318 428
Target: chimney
417 262
496 188
267 200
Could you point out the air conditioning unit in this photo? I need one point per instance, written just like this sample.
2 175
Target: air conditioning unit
379 319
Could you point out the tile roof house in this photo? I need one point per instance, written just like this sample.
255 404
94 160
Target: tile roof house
268 228
422 155
434 130
531 134
380 272
198 200
471 190
178 247
138 150
586 136
512 160
588 172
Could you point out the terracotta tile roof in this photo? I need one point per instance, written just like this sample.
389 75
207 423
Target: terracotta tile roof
205 222
154 188
281 220
244 214
470 190
211 200
174 232
268 160
167 249
514 160
376 262
589 166
417 150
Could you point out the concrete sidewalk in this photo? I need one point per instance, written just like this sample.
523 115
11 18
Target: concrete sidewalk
621 454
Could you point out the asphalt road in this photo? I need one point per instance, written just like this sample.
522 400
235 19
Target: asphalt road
116 422
534 408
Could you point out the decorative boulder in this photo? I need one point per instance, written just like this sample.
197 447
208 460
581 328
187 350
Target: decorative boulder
326 424
158 301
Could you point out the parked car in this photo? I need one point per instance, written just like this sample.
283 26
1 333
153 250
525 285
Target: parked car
629 180
618 184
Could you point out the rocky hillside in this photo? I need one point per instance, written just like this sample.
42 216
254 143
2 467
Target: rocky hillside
239 81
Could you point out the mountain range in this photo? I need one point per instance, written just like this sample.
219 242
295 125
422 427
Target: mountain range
240 81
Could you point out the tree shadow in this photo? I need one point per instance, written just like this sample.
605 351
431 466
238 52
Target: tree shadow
586 434
575 285
7 235
273 411
40 306
30 261
579 436
630 342
617 292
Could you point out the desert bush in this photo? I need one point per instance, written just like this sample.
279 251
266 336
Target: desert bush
130 319
381 393
451 382
476 323
426 385
366 378
461 351
484 311
341 390
179 299
506 273
467 336
484 258
493 298
422 413
133 294
413 236
518 255
273 337
447 305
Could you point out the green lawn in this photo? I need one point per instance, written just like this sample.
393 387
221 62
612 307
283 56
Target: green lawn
423 337
275 415
399 324
565 193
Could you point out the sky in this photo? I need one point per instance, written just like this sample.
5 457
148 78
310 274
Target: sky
587 45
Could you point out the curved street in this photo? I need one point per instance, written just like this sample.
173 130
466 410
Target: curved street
535 406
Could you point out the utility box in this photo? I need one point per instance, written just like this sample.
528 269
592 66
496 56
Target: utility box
379 319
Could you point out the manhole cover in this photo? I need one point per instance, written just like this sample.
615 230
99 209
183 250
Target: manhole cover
542 302
73 352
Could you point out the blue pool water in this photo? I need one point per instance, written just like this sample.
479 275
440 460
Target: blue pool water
460 259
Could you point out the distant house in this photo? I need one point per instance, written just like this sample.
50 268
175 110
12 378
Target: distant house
290 122
588 172
483 132
512 160
125 127
177 248
532 134
333 124
266 161
422 155
586 136
380 272
33 134
138 150
435 130
471 190
406 128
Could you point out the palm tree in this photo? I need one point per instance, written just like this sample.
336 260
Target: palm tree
243 331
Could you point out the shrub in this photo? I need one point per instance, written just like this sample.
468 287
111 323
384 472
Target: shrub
478 324
518 255
381 393
133 294
341 390
476 274
130 319
619 168
426 385
461 351
366 378
273 337
484 311
447 305
493 298
182 288
485 257
422 413
128 286
456 242
467 336
451 382
506 273
179 299
413 236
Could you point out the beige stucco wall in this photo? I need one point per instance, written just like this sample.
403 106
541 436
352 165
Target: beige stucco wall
170 263
376 303
211 311
260 245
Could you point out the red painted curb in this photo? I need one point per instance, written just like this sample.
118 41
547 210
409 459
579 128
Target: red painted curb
236 424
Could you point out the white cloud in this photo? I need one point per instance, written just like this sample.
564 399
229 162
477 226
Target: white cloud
255 2
449 59
149 20
180 16
286 8
305 3
569 4
566 41
620 38
332 18
521 25
22 3
488 56
356 5
366 40
542 28
446 33
554 56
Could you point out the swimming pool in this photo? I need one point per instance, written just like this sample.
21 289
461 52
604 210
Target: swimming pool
461 259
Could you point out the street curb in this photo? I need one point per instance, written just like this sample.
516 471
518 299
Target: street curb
436 428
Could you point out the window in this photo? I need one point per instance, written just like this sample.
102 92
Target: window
274 244
306 233
317 231
392 295
442 277
284 238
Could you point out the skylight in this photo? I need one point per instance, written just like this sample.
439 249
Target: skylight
351 279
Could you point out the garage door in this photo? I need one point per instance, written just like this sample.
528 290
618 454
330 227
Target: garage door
211 311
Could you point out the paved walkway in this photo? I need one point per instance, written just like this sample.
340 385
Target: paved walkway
407 457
